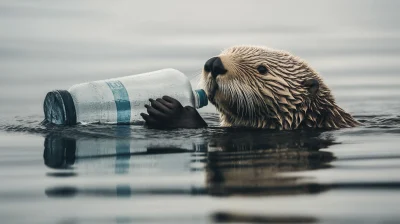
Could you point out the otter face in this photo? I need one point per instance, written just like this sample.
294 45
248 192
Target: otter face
264 88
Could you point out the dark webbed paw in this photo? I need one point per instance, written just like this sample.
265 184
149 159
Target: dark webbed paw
167 112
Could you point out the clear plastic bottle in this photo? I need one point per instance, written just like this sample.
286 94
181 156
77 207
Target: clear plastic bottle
119 100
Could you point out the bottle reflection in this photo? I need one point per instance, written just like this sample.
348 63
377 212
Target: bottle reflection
122 150
113 154
235 162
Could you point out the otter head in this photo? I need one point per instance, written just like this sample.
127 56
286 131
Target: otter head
259 87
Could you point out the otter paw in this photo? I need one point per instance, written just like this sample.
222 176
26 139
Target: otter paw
168 112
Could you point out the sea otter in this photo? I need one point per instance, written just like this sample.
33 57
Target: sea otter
257 87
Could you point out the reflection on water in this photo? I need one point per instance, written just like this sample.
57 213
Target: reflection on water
224 217
235 161
249 163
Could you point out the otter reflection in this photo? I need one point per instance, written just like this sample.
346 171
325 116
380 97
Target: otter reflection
250 162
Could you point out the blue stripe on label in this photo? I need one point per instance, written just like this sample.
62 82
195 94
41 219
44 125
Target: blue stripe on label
122 102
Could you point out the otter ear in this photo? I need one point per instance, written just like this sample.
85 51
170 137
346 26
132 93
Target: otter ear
312 85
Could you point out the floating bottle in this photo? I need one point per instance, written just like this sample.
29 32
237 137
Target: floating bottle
119 100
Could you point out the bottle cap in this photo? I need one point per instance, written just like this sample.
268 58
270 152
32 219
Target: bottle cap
59 108
201 98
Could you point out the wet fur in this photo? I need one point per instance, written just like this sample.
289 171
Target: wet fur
276 100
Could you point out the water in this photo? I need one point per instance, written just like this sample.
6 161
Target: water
130 174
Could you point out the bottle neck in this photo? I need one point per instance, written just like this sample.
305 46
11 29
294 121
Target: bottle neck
200 98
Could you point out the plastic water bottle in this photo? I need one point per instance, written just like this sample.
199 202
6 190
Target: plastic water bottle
119 100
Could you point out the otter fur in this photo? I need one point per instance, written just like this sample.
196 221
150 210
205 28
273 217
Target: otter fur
259 87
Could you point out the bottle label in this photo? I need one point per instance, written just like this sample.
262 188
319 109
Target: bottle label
122 101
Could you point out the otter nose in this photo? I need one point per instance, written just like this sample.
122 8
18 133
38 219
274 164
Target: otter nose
215 66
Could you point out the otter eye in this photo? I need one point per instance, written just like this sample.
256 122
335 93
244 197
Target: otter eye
262 69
